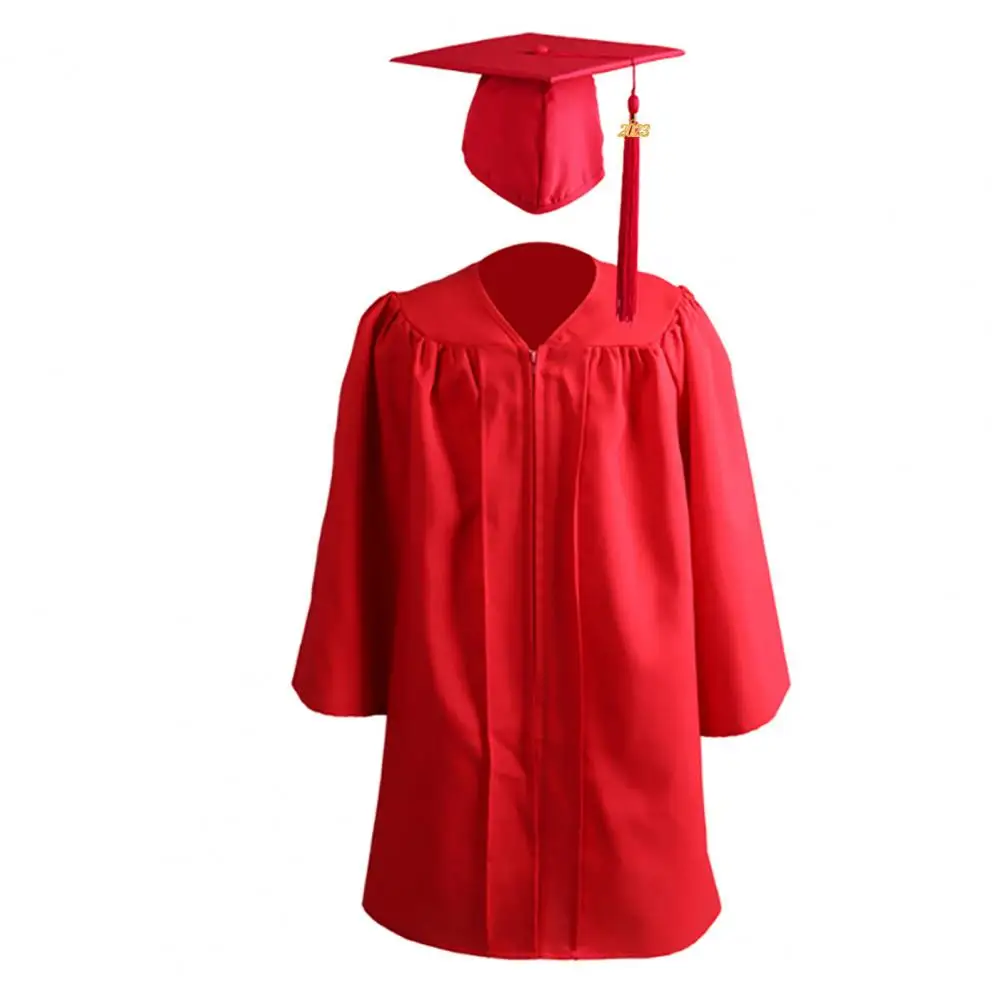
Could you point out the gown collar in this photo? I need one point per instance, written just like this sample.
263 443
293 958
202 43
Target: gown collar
457 309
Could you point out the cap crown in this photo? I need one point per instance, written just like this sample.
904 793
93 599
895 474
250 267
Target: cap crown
537 145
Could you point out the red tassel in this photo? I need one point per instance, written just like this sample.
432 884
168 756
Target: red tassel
629 218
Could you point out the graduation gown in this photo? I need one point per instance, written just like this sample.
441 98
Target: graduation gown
541 560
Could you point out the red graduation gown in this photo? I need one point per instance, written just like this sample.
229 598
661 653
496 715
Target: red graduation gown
541 560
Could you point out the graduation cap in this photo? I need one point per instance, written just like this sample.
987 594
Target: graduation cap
533 135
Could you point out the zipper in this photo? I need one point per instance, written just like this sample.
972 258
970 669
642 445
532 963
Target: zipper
533 357
537 702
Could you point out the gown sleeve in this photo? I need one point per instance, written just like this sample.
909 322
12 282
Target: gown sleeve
343 660
742 671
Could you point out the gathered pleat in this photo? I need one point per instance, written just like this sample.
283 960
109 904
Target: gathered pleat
579 635
488 763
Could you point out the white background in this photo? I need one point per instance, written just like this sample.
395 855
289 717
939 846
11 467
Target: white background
197 202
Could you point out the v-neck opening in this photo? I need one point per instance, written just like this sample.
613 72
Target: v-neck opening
508 326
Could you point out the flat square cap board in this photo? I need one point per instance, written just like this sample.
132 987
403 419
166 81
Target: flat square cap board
545 58
533 134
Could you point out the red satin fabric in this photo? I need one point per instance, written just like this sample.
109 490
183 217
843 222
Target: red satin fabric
551 579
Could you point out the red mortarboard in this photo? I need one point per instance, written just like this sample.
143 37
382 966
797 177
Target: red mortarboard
532 133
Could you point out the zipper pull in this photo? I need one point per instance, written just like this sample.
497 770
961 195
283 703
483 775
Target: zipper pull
532 356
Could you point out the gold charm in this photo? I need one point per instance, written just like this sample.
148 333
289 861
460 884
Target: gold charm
633 130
